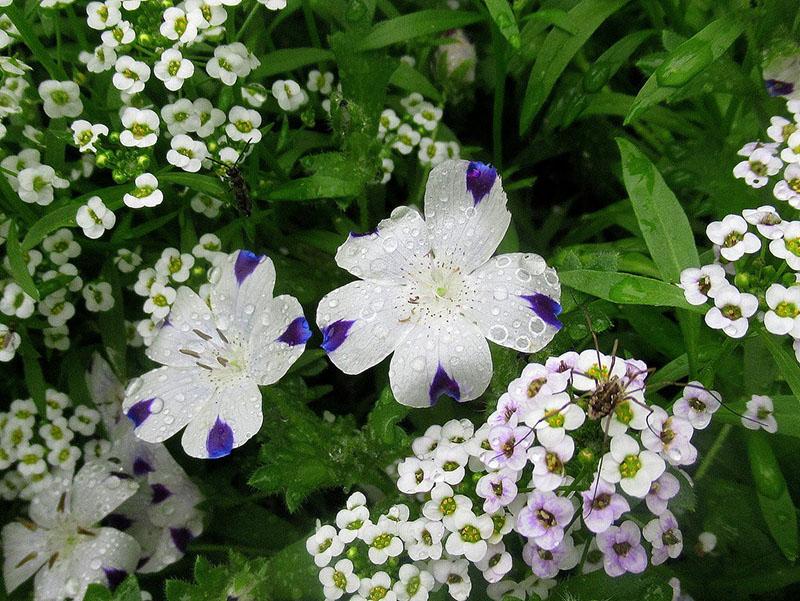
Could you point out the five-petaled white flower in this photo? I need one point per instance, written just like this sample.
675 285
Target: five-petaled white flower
431 292
215 356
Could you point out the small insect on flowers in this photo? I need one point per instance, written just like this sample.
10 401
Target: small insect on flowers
232 174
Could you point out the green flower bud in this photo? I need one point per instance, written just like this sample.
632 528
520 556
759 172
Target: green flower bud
212 146
742 280
143 161
114 137
119 176
102 159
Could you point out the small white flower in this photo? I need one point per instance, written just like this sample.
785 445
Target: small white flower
407 138
16 302
383 541
788 188
274 4
469 535
101 59
9 343
289 94
103 15
443 505
379 586
64 457
701 284
61 246
387 166
145 194
243 125
186 153
180 117
84 134
732 237
173 69
352 520
57 308
767 221
697 404
338 580
431 153
31 459
141 128
127 260
389 121
324 545
320 82
706 543
455 574
174 264
209 247
179 26
427 116
61 98
208 13
780 129
423 539
98 296
413 584
210 117
412 102
784 314
37 184
634 469
231 62
84 420
731 311
95 218
788 247
56 338
791 154
121 34
553 416
131 75
160 300
758 167
759 414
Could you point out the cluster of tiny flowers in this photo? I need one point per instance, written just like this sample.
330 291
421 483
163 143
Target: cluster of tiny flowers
34 446
538 469
158 284
60 286
414 131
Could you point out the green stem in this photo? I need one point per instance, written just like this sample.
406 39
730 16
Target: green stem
499 43
311 24
250 16
705 464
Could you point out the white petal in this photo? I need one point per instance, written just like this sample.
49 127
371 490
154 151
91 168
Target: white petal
98 489
516 304
397 248
448 357
163 400
24 552
188 313
106 559
465 211
47 507
228 420
277 340
243 289
362 323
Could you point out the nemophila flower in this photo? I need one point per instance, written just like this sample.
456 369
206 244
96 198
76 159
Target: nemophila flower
759 166
759 413
16 302
455 574
553 416
431 292
85 134
701 284
173 69
498 489
98 296
622 549
130 75
289 95
174 264
732 237
141 127
145 194
788 247
731 311
186 153
320 82
9 343
665 537
783 316
549 471
339 579
633 468
95 218
243 125
180 117
231 62
406 139
215 353
544 518
37 184
60 98
697 404
766 219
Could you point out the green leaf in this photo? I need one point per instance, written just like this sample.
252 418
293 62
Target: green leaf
786 362
625 288
289 59
503 17
206 184
28 34
383 419
686 62
414 25
315 187
608 63
17 265
34 378
409 79
557 51
127 591
661 218
651 586
552 16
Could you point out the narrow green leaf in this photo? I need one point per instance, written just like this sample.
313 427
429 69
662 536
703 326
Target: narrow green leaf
289 59
552 16
409 79
625 288
34 378
686 62
786 362
661 218
28 35
206 184
414 25
503 17
557 51
17 265
315 187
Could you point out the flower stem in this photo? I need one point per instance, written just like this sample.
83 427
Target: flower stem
705 464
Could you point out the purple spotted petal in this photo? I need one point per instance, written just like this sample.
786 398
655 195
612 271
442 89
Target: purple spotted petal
141 467
546 308
297 333
160 493
181 537
480 179
246 263
140 411
776 87
115 577
443 384
220 440
118 521
334 334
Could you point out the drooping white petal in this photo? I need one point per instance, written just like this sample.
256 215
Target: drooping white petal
188 316
221 425
105 390
362 323
48 507
448 356
394 251
163 400
99 488
24 552
244 285
516 303
466 214
277 340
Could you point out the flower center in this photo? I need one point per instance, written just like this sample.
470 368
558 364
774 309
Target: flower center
758 168
732 312
792 245
621 548
630 466
787 309
554 418
732 239
377 592
470 534
382 541
623 412
339 580
546 518
601 501
448 506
